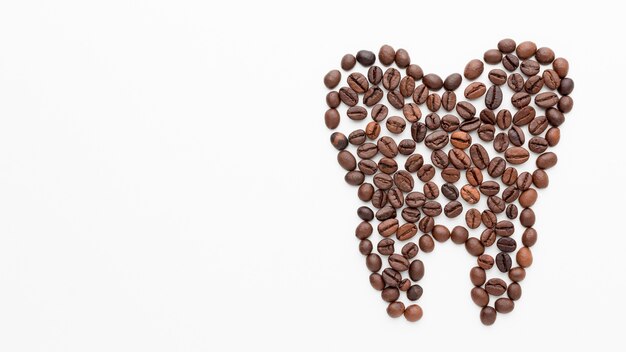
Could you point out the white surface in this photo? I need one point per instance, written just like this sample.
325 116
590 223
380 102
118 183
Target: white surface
167 184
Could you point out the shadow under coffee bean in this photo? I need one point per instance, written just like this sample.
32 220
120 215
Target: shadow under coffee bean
405 110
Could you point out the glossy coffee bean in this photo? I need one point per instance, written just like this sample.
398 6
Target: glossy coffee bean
495 287
365 57
488 316
478 276
473 69
433 81
395 309
413 313
414 292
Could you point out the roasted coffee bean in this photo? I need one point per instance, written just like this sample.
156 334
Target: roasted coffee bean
538 145
486 132
358 82
395 124
387 146
510 194
524 257
383 181
488 218
415 71
367 150
395 99
339 140
561 66
398 262
407 86
450 191
453 209
520 99
373 262
501 142
459 235
372 130
555 117
492 56
436 140
375 75
347 62
431 191
538 125
516 155
395 309
426 243
553 135
490 188
432 121
504 305
395 197
459 159
433 81
546 160
452 82
418 132
416 270
504 228
410 250
529 237
509 176
448 100
420 94
441 233
357 113
403 180
365 213
385 246
386 55
497 76
363 230
530 67
365 247
510 62
391 79
388 227
527 217
503 262
477 275
566 104
479 296
546 100
439 158
332 79
475 90
507 244
366 192
465 110
368 167
386 212
372 97
517 274
426 225
433 102
474 247
495 286
412 112
516 82
413 163
390 294
332 99
406 231
551 79
348 96
488 237
470 194
540 179
495 204
346 160
496 167
479 155
524 116
524 180
511 211
473 69
411 215
544 55
504 119
391 277
474 176
379 198
426 173
387 166
406 146
414 292
450 174
470 125
567 86
413 313
331 118
487 117
485 261
379 112
493 98
526 49
506 45
402 58
472 218
533 85
365 57
449 123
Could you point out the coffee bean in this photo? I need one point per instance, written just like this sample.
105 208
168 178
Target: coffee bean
339 140
368 167
358 82
515 291
503 262
524 116
385 246
566 104
486 132
495 286
470 125
376 280
473 69
347 62
496 167
426 173
497 76
453 209
390 294
561 66
406 231
348 96
492 56
395 197
526 49
356 113
504 228
418 132
410 250
472 218
520 99
391 277
406 147
555 117
395 309
398 262
439 158
386 55
511 211
367 150
470 194
332 79
479 155
407 86
432 208
365 57
553 135
332 99
538 125
493 98
375 75
365 213
365 247
426 243
474 176
540 178
509 176
501 142
546 100
510 194
551 79
413 313
474 247
402 58
487 117
433 81
395 124
450 174
404 181
529 237
412 112
488 237
478 276
366 192
433 102
475 90
441 233
436 140
490 188
516 155
450 191
459 159
414 292
448 100
363 230
346 160
504 305
527 217
379 198
533 85
331 118
530 67
449 123
411 215
420 94
387 146
485 261
372 97
516 82
510 62
415 71
479 296
524 257
416 270
546 160
391 79
538 144
506 45
516 274
465 110
488 218
459 235
395 99
386 212
567 86
452 82
495 204
383 181
373 262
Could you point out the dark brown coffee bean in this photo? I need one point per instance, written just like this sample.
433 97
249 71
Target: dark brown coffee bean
407 86
450 175
406 231
485 261
486 132
441 233
504 228
357 113
395 99
436 140
475 90
538 125
365 57
495 286
379 198
452 82
470 125
386 55
413 163
420 94
487 117
395 124
509 176
524 257
390 294
510 194
346 160
488 218
507 244
368 167
540 179
402 58
488 237
433 81
375 75
533 85
450 191
403 180
367 150
363 230
538 145
544 55
503 262
479 296
520 99
473 69
465 110
553 135
365 213
383 181
385 246
567 86
414 292
516 82
331 118
412 112
431 192
479 156
386 212
496 167
395 309
433 102
387 146
506 45
418 132
555 117
358 82
411 215
551 79
439 158
426 225
546 160
372 130
391 79
501 142
459 159
504 305
524 116
415 71
495 204
410 250
332 99
497 76
398 262
432 121
347 62
511 211
453 209
477 275
459 235
365 247
348 96
416 270
372 97
449 123
516 136
546 100
527 217
504 119
510 62
529 237
406 146
474 176
373 262
530 67
332 79
561 66
493 98
474 247
516 274
566 104
470 194
492 56
472 218
395 197
388 227
339 140
391 277
526 49
490 188
448 100
379 112
426 173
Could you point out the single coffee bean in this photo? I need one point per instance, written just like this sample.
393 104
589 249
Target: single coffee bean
504 305
453 209
524 257
433 102
420 94
515 291
530 67
385 246
410 250
391 79
553 135
363 230
479 156
527 217
566 104
365 247
367 150
470 125
495 204
510 194
495 286
490 188
487 117
373 262
331 118
517 274
538 125
395 197
516 155
459 159
398 262
407 86
406 231
416 270
412 112
379 112
450 174
339 140
415 199
372 130
475 90
386 212
478 276
372 97
365 213
413 313
507 244
497 76
347 62
415 71
555 117
524 116
383 181
472 218
506 45
474 176
496 167
356 113
511 211
346 160
368 167
544 55
386 55
546 100
538 145
418 132
402 58
567 86
332 79
433 81
390 294
474 247
493 98
504 119
551 79
411 215
450 191
520 99
546 160
503 262
473 69
358 82
529 237
470 194
516 82
561 66
387 146
348 96
332 99
504 228
459 235
379 198
486 132
492 56
516 136
375 75
395 124
365 57
488 237
533 85
406 147
510 62
426 243
485 261
366 192
439 158
376 280
441 233
452 82
413 163
509 176
395 99
501 142
540 178
479 296
526 49
431 208
395 309
414 292
449 123
436 140
465 110
432 121
403 180
391 277
448 100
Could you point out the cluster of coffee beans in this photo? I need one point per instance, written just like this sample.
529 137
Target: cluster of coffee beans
489 190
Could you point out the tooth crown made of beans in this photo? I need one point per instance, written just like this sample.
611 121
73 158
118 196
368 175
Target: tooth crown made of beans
429 154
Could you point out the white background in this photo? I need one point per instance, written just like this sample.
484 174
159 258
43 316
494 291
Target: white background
167 184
